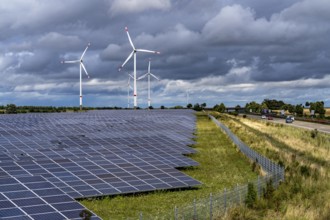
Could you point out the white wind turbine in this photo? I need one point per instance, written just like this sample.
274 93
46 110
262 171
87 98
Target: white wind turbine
133 53
148 74
187 96
129 87
81 66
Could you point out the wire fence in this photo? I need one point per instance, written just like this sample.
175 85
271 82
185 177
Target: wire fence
217 205
266 164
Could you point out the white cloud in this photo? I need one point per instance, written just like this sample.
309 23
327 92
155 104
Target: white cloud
135 6
57 40
237 25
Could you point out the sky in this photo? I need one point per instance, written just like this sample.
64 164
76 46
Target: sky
230 51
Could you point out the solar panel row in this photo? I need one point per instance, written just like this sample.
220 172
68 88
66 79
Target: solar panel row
90 154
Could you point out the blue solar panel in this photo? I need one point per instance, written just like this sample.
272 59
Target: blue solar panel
34 203
47 157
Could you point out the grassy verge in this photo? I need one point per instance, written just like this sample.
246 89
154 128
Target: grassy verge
221 166
306 192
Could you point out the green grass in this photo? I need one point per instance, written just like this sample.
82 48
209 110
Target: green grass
221 166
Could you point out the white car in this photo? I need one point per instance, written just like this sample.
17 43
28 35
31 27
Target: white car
263 116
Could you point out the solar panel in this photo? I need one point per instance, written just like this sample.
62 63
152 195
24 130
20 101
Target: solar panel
79 155
20 199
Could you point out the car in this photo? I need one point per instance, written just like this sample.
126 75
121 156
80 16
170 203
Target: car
289 119
269 117
263 117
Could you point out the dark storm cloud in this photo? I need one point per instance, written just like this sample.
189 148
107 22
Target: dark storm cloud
232 49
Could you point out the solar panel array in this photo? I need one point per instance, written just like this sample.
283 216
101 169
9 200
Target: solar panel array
97 153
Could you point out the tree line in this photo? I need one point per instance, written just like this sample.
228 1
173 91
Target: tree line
269 105
13 109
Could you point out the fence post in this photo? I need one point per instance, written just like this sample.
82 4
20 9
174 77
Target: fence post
175 213
141 216
195 213
225 200
258 186
211 201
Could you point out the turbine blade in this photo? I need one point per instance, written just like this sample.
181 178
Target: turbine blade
129 38
129 57
154 76
147 51
149 67
141 77
70 61
83 66
83 54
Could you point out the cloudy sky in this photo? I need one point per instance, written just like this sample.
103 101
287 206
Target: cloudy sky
231 51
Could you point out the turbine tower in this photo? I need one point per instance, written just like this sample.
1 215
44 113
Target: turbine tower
148 74
129 87
133 53
81 66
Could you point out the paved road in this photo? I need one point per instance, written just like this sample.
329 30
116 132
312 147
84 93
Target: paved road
300 124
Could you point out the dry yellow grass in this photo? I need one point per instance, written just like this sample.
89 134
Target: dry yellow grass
280 142
298 139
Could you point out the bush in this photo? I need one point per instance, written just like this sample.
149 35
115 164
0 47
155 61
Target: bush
305 171
314 133
244 116
240 213
269 190
251 196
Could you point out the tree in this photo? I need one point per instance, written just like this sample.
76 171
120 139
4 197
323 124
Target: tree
291 108
307 104
197 107
237 108
189 105
11 109
318 107
220 108
264 106
162 107
203 105
273 104
255 107
299 109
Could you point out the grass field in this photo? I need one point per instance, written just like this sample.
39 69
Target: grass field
221 166
306 155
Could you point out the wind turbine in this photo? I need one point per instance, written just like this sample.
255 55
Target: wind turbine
187 96
128 88
133 53
148 74
81 66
